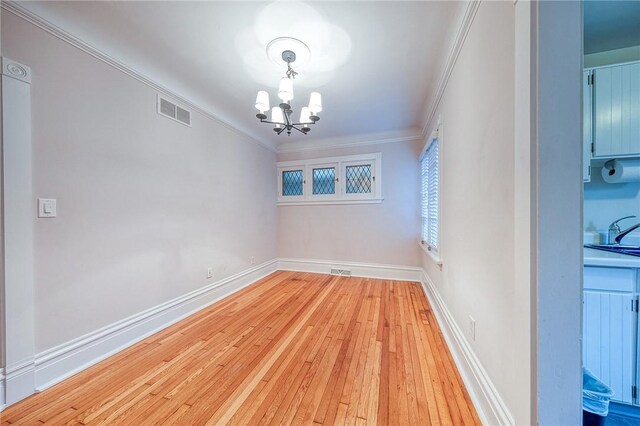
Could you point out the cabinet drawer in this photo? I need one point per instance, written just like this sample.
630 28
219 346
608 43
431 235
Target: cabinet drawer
609 279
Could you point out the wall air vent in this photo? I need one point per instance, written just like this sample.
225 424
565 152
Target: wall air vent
341 272
173 111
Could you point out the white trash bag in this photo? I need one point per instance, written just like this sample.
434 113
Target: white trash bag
595 394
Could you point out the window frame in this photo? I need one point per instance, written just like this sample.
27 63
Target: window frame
433 251
341 196
359 195
336 167
304 177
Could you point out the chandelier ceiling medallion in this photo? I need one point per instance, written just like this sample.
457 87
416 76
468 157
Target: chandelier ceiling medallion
285 51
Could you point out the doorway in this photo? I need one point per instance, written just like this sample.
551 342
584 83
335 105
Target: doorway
611 202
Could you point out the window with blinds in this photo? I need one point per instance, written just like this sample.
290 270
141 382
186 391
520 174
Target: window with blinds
430 193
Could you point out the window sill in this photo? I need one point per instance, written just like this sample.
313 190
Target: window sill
433 255
330 202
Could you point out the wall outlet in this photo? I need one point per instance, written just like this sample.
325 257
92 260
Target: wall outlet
209 272
472 328
252 260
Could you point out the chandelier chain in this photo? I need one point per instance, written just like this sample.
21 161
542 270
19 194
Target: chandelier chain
290 72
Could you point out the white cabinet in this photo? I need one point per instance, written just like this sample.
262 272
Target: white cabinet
610 327
587 112
616 110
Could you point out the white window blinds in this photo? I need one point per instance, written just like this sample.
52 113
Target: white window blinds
430 193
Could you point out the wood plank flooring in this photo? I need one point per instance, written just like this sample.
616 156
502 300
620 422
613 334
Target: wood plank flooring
294 348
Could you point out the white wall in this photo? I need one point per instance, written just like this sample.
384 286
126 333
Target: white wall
604 203
477 201
385 233
145 204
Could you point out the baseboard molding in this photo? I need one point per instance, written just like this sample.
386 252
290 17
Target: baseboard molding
2 386
491 408
56 364
19 381
368 270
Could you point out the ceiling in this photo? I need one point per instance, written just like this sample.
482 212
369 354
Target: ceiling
611 25
376 63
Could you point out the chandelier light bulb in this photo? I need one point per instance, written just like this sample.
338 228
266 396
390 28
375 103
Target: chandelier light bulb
276 115
285 90
262 101
304 115
315 102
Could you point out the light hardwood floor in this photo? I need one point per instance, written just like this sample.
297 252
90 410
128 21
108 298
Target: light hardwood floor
294 348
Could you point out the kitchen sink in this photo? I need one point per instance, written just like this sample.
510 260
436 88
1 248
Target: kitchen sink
630 250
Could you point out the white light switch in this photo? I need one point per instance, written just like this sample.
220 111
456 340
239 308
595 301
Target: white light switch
46 207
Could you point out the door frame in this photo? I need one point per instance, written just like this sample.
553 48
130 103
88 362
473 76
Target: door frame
557 40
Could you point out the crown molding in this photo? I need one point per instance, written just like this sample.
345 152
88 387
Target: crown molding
452 57
38 21
351 141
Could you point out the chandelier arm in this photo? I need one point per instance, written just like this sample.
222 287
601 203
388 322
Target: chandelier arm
294 127
284 124
281 130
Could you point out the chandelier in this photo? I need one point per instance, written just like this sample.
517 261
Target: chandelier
282 115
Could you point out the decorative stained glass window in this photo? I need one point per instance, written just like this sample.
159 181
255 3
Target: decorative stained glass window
349 179
358 179
324 181
292 181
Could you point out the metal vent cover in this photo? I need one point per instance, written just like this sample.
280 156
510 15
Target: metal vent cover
173 111
167 108
341 272
183 116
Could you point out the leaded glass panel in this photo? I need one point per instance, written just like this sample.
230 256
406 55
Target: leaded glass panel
324 181
292 182
358 179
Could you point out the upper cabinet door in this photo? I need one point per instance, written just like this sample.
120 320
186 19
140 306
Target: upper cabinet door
616 100
587 113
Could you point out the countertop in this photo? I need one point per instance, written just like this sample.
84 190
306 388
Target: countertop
593 257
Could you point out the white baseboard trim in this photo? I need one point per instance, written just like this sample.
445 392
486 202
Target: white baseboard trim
489 404
19 381
368 270
58 363
2 386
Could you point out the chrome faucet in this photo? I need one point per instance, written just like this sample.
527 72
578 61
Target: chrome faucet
616 235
